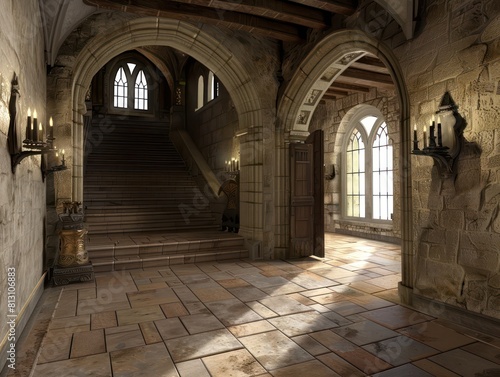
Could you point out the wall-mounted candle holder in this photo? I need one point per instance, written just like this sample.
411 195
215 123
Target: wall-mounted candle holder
332 175
445 142
34 145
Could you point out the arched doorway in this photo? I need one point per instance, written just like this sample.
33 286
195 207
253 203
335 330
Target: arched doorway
208 51
323 65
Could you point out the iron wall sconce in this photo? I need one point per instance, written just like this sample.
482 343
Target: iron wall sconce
445 142
34 145
232 166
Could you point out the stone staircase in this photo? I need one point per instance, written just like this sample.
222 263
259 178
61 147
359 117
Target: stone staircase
139 197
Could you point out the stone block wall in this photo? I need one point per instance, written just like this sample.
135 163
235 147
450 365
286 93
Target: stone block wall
456 228
22 195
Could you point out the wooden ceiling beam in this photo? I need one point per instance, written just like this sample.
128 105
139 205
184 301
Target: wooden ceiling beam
360 77
192 13
350 87
345 7
275 9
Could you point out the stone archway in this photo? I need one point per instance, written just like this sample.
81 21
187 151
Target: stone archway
215 54
327 60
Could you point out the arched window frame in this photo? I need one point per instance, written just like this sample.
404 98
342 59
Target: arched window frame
201 92
132 91
370 195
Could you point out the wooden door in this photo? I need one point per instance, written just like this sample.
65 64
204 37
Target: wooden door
306 177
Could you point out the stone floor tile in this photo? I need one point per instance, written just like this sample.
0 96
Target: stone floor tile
212 293
345 308
151 285
355 355
101 304
197 308
400 350
310 345
365 332
143 361
261 310
137 315
284 305
408 370
302 299
283 289
251 328
88 343
200 323
466 364
328 298
232 312
302 323
152 297
484 350
436 336
336 318
339 365
174 309
86 293
119 329
261 281
316 292
185 295
395 317
69 322
238 363
103 320
248 293
56 346
434 369
171 328
233 283
366 287
150 333
208 343
123 340
310 369
91 366
310 281
372 302
274 350
192 368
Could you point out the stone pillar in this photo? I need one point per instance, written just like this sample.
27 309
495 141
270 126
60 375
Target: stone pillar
72 262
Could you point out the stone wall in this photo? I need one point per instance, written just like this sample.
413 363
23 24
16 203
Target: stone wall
457 223
22 195
213 127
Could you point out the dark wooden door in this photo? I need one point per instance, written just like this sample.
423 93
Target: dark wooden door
306 177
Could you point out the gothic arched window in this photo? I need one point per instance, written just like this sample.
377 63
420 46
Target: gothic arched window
368 169
130 87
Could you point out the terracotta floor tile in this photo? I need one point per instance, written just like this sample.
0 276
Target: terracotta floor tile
200 323
247 293
284 305
466 364
365 332
407 370
310 368
174 309
171 328
302 323
192 368
310 345
103 320
232 312
251 328
152 297
150 332
395 317
339 365
123 340
434 369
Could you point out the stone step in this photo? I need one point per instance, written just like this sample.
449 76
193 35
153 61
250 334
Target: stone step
147 227
143 217
147 251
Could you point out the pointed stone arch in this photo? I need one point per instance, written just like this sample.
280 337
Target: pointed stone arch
215 53
325 62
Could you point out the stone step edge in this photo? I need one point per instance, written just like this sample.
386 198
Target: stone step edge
102 265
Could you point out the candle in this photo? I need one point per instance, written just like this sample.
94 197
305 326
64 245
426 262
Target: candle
415 138
440 135
40 132
28 126
34 127
237 165
51 129
62 153
425 137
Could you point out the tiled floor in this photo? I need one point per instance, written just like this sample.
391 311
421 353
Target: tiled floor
310 318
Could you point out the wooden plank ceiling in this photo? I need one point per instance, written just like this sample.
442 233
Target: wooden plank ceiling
283 20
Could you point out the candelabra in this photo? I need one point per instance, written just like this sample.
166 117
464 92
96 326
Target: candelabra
34 145
445 147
